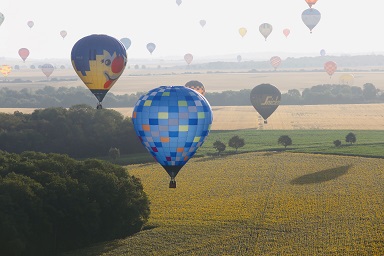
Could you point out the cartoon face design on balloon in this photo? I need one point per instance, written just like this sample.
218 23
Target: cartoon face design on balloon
99 60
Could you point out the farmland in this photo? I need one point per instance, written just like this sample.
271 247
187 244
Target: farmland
261 204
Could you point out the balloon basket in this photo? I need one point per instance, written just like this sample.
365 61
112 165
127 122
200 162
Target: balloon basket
172 184
99 106
265 122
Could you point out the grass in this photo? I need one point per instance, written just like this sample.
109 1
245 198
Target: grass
264 203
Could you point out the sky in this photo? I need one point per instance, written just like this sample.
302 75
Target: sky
345 28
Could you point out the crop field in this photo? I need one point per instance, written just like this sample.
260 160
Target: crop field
295 117
261 204
143 80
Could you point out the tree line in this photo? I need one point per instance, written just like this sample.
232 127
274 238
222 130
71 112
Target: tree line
67 97
51 203
79 131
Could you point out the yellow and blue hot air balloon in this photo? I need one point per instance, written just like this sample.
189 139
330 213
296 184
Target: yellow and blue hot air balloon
99 60
172 122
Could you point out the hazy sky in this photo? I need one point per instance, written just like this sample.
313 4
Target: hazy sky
346 27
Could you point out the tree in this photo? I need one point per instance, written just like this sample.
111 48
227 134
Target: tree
369 91
337 143
236 142
350 138
284 140
114 153
219 146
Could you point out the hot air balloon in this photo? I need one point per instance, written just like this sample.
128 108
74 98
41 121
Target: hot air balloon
196 85
30 24
172 122
47 69
275 61
310 2
1 18
178 2
311 18
63 33
202 23
242 31
239 58
99 60
347 79
188 58
265 98
330 67
24 53
151 47
265 29
5 70
286 32
322 52
126 42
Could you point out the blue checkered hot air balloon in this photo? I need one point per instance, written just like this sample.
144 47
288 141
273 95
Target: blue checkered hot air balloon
172 122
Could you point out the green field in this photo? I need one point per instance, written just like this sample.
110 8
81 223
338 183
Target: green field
263 203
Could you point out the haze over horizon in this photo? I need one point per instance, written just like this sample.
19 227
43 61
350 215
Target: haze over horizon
176 30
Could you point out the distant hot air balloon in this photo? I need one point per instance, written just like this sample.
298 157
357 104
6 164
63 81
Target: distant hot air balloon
322 52
265 29
310 2
188 58
99 60
286 32
242 31
330 67
1 18
151 47
202 23
126 42
24 53
178 2
30 24
275 61
47 69
311 18
196 85
172 122
265 98
239 58
63 33
5 70
347 79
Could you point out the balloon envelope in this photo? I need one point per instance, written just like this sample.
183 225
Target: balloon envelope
330 67
5 70
126 42
347 79
275 61
99 60
1 18
202 23
322 52
188 58
311 18
151 47
242 31
310 2
30 24
265 98
196 85
172 122
239 58
286 32
47 69
178 2
63 33
24 53
265 29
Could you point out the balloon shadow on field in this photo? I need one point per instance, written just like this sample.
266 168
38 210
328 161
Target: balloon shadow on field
321 176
